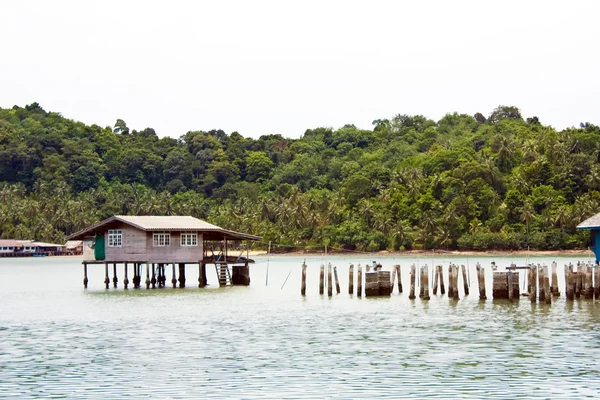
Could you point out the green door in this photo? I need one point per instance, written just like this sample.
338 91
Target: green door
99 253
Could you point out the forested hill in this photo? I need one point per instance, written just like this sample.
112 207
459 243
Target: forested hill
466 182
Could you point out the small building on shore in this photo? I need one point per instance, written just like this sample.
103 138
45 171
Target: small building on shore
28 248
592 224
156 241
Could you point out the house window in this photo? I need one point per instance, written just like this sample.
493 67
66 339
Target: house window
161 239
189 239
115 238
11 248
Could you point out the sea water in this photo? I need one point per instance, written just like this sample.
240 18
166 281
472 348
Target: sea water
266 341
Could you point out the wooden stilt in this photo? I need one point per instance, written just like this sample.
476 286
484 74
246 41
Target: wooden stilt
547 292
202 281
455 281
597 281
578 280
337 281
451 287
303 287
371 284
359 280
532 283
85 277
181 275
441 275
554 285
126 279
435 280
115 279
106 278
542 292
329 281
424 290
569 282
589 282
481 281
385 283
174 277
399 275
511 293
351 279
153 280
147 275
500 286
322 279
413 274
465 280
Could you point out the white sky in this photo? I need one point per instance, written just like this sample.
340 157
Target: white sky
261 67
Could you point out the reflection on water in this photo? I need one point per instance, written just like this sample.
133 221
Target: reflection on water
266 342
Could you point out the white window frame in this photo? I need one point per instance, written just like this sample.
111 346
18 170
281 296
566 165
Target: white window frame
189 239
115 238
161 239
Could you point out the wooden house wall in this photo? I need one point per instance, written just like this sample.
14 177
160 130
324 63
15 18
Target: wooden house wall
175 253
134 244
138 246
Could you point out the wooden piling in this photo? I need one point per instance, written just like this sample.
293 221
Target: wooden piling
174 277
106 278
359 279
337 281
424 292
202 281
329 281
181 275
147 275
511 293
303 286
532 283
500 285
542 292
465 280
481 281
569 282
450 282
578 280
441 274
85 277
554 283
399 276
547 284
385 283
126 279
322 279
153 280
413 274
371 284
597 281
115 279
351 279
588 287
435 280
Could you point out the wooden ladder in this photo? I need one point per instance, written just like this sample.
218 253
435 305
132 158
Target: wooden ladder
223 274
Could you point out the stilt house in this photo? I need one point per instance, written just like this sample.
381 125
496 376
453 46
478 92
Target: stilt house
160 240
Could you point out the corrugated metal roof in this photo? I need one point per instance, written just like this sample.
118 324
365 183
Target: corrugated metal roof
73 243
167 223
590 223
44 244
9 243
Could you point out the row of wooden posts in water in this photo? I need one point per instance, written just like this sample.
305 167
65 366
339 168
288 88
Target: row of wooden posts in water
542 283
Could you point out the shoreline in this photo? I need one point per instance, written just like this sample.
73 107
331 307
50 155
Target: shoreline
459 253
